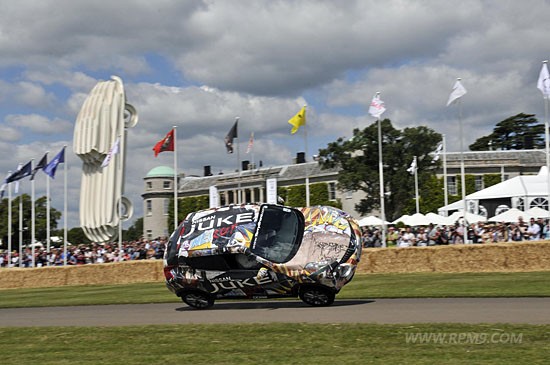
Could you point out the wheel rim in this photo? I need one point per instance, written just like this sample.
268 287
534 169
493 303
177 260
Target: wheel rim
316 297
197 300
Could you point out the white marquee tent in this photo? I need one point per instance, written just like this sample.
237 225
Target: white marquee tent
470 218
527 187
370 220
537 212
511 215
436 219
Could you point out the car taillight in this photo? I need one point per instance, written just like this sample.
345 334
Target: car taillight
168 272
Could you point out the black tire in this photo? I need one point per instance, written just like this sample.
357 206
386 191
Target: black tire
317 296
197 299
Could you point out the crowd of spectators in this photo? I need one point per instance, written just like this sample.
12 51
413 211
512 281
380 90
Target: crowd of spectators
476 233
82 254
431 235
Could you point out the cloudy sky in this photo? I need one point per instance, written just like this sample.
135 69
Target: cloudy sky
200 64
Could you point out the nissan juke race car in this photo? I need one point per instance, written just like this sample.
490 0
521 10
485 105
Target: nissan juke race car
262 251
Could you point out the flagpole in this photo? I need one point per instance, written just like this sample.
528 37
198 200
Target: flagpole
305 162
48 238
21 230
416 185
9 224
252 149
462 174
32 217
239 195
445 190
119 166
175 128
547 150
381 173
64 207
546 135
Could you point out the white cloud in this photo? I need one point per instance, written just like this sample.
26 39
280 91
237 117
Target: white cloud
9 134
38 123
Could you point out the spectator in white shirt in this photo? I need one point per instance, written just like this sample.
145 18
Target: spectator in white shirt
407 239
533 231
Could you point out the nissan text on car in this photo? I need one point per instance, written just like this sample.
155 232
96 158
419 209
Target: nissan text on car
262 251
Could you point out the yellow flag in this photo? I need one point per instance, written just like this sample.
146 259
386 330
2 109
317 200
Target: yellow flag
298 120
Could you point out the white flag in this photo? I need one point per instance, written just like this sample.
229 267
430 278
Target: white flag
250 143
19 167
412 168
458 91
544 81
113 151
438 152
4 184
376 106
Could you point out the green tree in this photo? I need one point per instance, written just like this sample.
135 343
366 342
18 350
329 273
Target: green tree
40 217
431 196
491 179
358 160
186 206
75 236
519 132
295 196
135 231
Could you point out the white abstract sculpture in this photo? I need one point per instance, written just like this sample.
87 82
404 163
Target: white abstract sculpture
102 120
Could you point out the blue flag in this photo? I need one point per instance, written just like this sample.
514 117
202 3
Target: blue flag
51 167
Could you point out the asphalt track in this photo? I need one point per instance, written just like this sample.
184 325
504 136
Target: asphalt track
405 311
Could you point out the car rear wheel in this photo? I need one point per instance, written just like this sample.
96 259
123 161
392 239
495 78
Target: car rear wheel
317 296
197 299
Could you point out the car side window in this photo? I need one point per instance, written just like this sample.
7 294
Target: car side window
280 233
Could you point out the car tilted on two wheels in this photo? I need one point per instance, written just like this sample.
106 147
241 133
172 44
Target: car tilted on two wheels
262 251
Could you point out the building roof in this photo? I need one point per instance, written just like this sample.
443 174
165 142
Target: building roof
497 158
161 171
282 173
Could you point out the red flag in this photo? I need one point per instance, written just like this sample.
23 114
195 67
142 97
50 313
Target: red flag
165 144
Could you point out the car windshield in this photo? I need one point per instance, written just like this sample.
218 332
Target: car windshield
280 233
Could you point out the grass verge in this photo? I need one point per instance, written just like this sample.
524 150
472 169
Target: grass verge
363 286
278 344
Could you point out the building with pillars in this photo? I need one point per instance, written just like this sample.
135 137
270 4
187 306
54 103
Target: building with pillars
251 182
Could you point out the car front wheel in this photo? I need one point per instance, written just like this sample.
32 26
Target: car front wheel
197 299
317 296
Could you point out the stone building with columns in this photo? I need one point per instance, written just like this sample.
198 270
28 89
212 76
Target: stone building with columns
250 182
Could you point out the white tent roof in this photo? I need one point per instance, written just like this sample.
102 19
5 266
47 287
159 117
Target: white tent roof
511 215
519 186
417 219
537 212
436 218
370 220
523 186
403 218
470 218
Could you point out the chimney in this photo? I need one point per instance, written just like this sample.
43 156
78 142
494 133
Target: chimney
207 171
300 157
